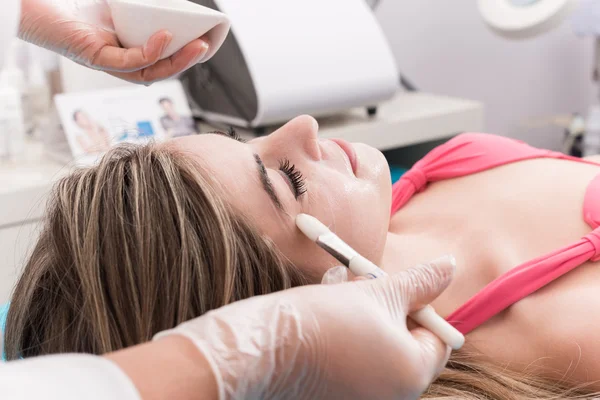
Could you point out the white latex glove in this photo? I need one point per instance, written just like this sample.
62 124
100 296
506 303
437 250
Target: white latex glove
82 30
326 341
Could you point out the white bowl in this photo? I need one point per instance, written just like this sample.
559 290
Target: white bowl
136 20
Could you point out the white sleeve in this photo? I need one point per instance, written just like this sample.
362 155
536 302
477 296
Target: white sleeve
65 377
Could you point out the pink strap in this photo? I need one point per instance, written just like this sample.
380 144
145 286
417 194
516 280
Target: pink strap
522 281
529 277
417 178
411 182
591 203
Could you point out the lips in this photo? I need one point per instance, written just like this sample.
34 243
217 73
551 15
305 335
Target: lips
348 149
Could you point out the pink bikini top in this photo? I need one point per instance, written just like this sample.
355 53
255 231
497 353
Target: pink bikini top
473 152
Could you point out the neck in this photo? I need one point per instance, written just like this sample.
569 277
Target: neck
391 253
394 258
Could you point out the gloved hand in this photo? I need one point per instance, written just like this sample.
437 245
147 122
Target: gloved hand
326 341
82 30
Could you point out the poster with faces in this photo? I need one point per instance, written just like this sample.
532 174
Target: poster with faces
94 122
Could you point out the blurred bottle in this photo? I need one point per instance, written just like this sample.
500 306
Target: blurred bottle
37 99
12 129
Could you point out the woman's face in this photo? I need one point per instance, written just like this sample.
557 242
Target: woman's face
82 120
274 178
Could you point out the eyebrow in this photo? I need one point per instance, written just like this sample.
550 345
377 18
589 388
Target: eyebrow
266 182
262 173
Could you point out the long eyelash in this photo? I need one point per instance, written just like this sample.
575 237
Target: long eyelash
295 177
231 132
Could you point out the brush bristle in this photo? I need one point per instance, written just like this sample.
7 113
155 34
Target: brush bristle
310 226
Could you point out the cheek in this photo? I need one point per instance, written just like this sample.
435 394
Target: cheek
356 210
306 255
312 260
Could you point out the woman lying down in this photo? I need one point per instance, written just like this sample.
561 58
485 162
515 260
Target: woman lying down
159 234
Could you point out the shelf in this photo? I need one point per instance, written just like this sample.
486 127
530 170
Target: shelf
408 119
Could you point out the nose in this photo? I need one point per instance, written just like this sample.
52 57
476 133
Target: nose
300 134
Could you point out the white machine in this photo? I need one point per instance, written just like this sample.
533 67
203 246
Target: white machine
292 57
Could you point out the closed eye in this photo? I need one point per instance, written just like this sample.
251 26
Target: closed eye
294 177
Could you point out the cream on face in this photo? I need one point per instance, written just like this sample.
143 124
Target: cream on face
274 178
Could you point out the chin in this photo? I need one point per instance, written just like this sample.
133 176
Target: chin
372 164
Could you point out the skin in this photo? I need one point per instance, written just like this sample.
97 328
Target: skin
173 368
91 42
168 108
515 213
333 192
96 134
83 121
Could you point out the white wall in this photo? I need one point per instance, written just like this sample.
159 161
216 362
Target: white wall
444 47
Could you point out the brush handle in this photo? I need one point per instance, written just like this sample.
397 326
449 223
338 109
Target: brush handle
426 317
430 320
360 266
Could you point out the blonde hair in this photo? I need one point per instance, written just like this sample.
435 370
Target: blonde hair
470 376
144 241
133 246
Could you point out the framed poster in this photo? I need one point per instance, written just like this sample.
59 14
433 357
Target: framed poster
95 121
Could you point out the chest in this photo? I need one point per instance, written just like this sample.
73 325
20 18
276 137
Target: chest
493 221
506 215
